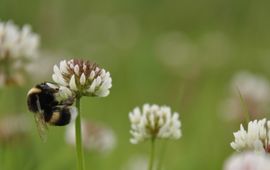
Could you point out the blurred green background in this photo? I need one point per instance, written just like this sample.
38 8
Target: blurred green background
179 53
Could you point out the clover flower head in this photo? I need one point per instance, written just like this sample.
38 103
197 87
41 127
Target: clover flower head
255 138
136 162
16 43
17 48
152 122
13 128
95 137
83 77
255 90
252 86
248 161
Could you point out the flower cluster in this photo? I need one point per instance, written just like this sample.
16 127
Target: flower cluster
13 128
83 78
16 43
137 162
256 138
95 137
254 89
152 122
248 161
17 47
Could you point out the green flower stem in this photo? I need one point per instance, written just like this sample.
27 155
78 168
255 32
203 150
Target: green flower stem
152 154
162 155
79 147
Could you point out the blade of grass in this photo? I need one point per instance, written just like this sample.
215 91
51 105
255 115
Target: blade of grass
244 106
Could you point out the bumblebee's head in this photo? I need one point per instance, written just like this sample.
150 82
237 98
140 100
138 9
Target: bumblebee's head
43 88
47 87
32 99
33 91
41 97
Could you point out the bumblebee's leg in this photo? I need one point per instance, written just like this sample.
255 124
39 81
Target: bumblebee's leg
67 102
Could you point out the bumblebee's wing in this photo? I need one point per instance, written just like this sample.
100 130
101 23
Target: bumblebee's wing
41 126
40 122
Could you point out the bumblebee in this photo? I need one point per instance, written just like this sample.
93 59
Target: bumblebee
43 100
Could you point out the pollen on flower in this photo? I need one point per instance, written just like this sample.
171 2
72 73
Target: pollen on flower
255 138
154 121
83 77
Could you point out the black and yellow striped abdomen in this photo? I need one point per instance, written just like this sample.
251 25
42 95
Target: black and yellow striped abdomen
60 116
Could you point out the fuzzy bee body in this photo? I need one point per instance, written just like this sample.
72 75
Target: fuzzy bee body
42 101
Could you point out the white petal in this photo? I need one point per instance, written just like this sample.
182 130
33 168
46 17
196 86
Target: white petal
58 77
77 70
92 75
58 80
92 87
56 70
55 78
82 79
98 79
65 92
52 85
102 93
72 83
64 67
107 84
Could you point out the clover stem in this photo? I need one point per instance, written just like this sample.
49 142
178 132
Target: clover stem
152 154
162 155
79 148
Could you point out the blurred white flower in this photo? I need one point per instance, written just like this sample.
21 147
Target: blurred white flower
46 60
137 162
152 122
255 91
17 48
83 78
95 137
252 86
255 138
16 43
13 128
248 161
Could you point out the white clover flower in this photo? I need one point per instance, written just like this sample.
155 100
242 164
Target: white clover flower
252 86
16 43
137 162
152 122
13 128
254 89
248 161
95 137
17 48
83 78
256 138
